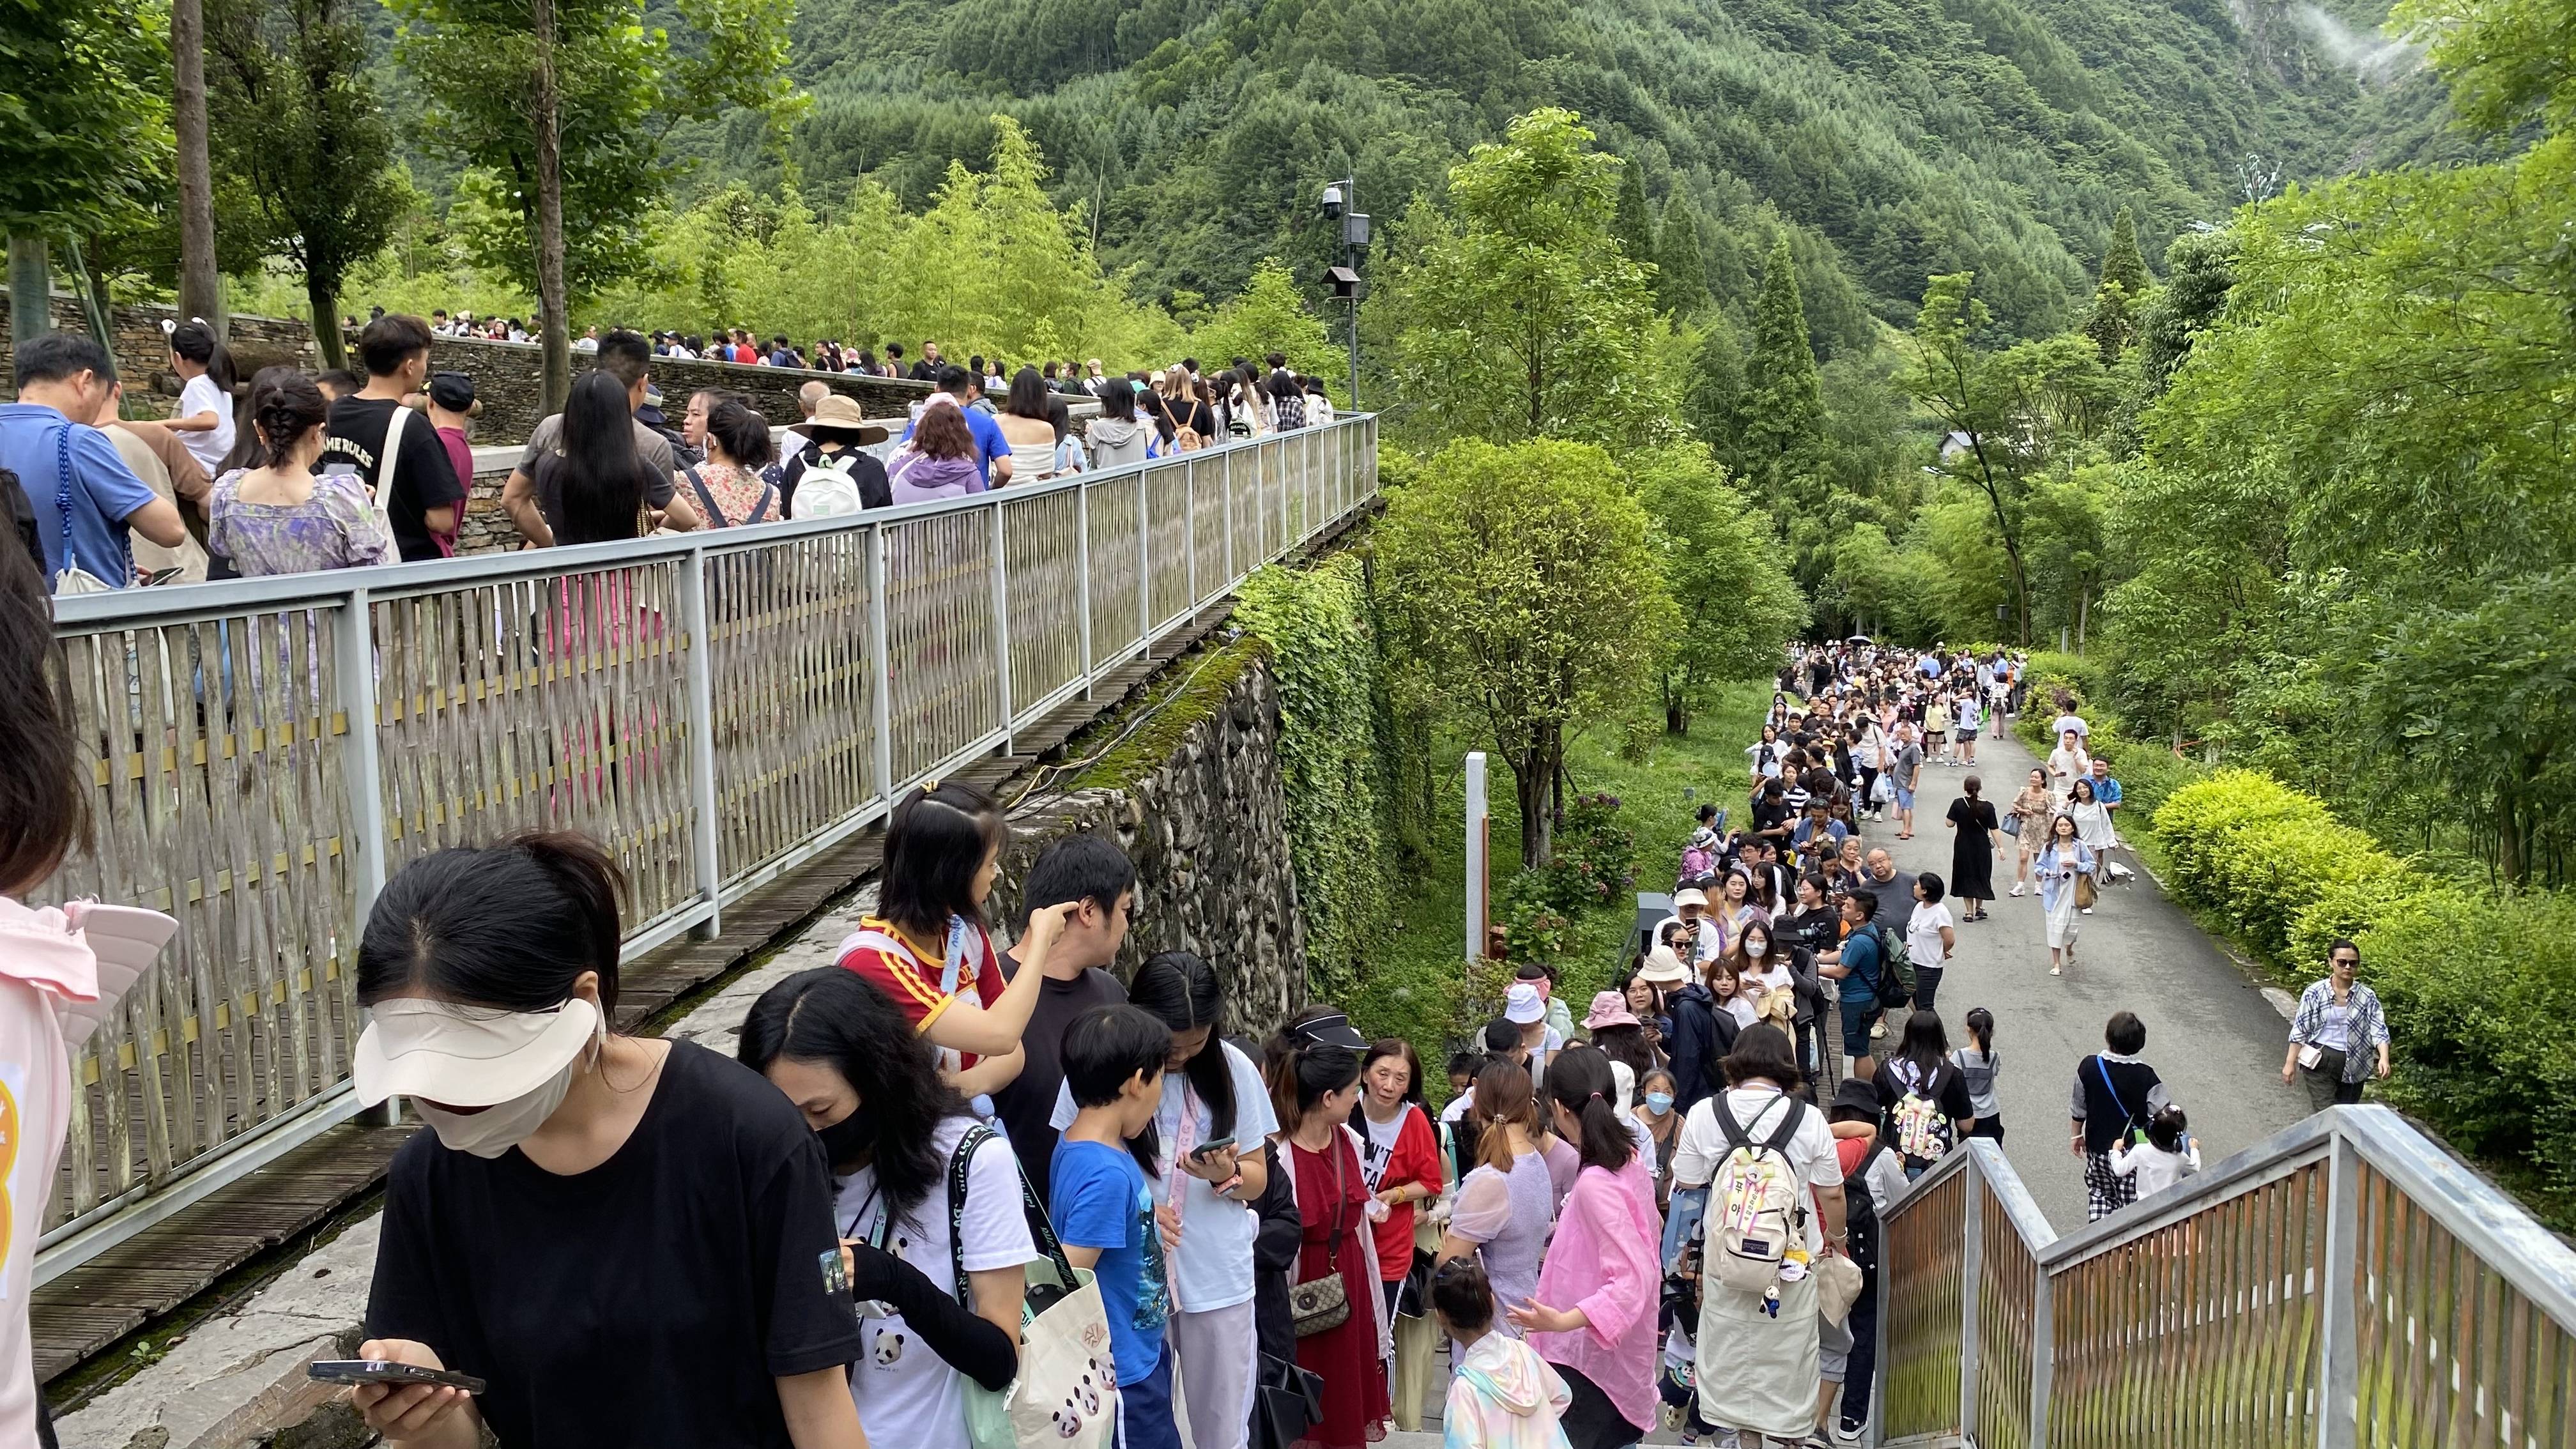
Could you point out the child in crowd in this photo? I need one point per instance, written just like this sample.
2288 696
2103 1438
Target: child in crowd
1504 1395
1978 1062
1104 1212
2165 1158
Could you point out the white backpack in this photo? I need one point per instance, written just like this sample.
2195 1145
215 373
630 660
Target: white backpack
827 491
1757 1207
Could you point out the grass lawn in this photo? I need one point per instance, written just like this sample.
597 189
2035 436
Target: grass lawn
1417 983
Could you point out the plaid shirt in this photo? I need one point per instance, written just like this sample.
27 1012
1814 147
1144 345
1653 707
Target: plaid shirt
2366 1028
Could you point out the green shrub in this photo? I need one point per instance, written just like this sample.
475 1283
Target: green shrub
2259 854
2478 991
1534 927
1595 857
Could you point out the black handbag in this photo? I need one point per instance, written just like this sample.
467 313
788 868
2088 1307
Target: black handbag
1286 1402
1413 1295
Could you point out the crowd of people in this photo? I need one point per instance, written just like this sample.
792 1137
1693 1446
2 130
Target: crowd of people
291 472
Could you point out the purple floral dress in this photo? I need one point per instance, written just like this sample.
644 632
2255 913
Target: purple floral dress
336 528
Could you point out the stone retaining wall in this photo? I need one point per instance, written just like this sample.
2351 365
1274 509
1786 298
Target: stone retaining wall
143 353
506 376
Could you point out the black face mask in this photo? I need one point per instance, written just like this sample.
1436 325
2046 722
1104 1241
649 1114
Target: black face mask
850 1139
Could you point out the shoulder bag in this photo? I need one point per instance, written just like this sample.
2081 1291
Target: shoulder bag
1063 1393
71 578
1320 1305
386 466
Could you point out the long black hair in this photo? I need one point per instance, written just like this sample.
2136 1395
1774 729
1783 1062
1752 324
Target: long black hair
602 476
508 926
935 844
1924 1043
1182 991
829 1017
197 342
1579 1080
44 807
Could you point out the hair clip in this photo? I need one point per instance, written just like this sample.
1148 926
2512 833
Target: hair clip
930 786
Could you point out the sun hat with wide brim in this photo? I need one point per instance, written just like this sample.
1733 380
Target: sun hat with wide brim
466 1056
840 416
1663 968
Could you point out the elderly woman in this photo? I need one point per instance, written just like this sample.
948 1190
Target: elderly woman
2337 1033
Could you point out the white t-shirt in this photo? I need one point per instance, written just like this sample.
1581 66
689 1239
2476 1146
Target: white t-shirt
1810 1151
202 396
1740 1005
1379 1142
906 1394
1923 932
1213 1268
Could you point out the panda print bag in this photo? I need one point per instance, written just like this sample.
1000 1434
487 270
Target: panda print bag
1065 1394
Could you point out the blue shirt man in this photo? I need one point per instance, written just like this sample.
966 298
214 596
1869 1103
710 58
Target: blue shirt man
69 470
989 442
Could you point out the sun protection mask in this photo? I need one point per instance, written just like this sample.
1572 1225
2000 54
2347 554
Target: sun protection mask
496 1129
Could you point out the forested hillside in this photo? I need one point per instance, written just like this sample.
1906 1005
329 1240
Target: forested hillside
1900 139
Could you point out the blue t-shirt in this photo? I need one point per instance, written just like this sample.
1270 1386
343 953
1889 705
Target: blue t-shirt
989 442
2106 790
1860 956
1098 1199
104 492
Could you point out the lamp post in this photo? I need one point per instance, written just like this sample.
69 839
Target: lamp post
1341 202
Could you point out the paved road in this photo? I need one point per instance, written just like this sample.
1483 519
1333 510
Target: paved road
2210 1032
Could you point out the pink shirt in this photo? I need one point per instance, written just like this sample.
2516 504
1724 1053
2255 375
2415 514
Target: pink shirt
53 992
1603 1262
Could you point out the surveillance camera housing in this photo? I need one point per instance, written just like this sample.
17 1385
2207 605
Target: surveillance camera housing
1332 201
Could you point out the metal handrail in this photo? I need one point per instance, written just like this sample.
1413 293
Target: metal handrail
716 706
2340 1282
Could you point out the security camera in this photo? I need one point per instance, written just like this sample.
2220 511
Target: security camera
1332 201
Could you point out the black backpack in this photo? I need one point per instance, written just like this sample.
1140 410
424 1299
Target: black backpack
1860 1213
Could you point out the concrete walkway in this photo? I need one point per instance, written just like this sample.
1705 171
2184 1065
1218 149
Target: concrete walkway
2211 1032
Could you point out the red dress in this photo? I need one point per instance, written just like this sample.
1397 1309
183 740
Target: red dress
1355 1402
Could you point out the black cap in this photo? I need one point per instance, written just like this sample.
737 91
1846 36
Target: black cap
1856 1095
453 391
1334 1029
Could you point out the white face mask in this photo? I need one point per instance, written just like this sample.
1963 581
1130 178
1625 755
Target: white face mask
504 1125
1757 948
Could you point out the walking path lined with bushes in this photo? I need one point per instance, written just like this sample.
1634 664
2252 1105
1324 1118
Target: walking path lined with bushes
2217 1041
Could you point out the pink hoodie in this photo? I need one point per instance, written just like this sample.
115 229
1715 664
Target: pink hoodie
56 984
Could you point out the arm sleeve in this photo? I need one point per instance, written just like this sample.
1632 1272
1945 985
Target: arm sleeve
347 501
540 440
1632 1285
2157 1097
1417 1154
1091 1206
966 1342
1484 1207
2077 1110
1695 1154
1955 1101
103 474
1281 1232
2123 1158
427 474
403 1299
790 1235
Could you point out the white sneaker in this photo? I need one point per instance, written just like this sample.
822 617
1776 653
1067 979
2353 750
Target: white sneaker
2016 890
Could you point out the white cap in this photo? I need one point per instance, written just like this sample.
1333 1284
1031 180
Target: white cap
465 1056
1521 1003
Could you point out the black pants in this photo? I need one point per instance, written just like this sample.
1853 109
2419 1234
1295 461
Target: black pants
1589 1421
1868 782
45 1425
1927 985
1864 1351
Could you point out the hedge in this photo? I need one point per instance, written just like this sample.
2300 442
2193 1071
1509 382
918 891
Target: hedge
2259 855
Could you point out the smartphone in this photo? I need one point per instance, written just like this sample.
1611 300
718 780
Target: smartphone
386 1371
1206 1150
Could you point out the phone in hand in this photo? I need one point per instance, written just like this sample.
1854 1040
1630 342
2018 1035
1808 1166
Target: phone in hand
1206 1150
386 1371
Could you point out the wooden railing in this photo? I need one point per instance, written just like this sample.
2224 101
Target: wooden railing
2342 1284
715 707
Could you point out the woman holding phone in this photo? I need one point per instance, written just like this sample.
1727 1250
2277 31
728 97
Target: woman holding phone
629 1239
1203 1158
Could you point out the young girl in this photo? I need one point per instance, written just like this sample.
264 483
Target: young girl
1504 1395
1978 1062
2165 1158
927 947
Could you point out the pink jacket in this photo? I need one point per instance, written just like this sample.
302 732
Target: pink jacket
56 985
1603 1261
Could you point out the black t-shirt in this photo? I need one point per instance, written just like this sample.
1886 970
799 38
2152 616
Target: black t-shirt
875 489
354 441
1770 814
651 1300
1025 1105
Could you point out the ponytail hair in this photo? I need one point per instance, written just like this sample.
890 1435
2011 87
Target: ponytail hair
1502 1097
285 405
1981 1028
1301 1071
1579 1080
508 926
196 341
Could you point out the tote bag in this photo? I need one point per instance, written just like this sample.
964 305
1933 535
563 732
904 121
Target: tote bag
1066 1394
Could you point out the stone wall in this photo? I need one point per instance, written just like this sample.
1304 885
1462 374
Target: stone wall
143 353
506 382
1207 829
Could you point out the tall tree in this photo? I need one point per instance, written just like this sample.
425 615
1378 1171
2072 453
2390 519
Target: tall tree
298 120
1633 228
84 134
2122 263
1681 272
1974 400
1784 410
1722 567
1527 597
201 290
563 110
1522 318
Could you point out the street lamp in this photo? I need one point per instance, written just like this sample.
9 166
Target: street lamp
1340 199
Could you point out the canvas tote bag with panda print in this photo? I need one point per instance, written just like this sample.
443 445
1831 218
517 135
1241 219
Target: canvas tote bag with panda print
1065 1395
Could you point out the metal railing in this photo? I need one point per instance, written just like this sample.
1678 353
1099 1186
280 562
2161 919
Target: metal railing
2341 1284
714 707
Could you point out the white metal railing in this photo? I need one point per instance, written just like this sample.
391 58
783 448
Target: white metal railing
2342 1283
715 707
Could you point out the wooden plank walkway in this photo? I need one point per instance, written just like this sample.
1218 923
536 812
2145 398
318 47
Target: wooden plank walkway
261 1221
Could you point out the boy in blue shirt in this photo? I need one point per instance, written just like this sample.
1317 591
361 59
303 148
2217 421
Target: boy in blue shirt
1104 1213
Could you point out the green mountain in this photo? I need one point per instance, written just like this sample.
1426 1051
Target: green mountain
1894 139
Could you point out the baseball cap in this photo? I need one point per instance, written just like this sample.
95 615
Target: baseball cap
1521 1003
466 1056
453 391
1331 1029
